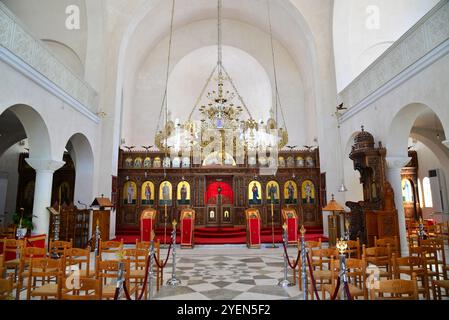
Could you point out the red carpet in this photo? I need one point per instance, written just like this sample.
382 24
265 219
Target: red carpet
218 235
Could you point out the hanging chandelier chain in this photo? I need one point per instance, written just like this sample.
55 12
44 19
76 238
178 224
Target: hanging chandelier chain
220 48
164 99
237 92
198 100
278 104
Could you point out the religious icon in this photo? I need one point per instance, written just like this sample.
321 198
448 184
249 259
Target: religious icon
291 192
64 193
183 195
147 195
254 193
129 162
29 194
138 163
407 191
186 162
300 162
281 162
308 192
290 162
310 162
167 162
147 163
212 215
157 162
272 192
130 193
226 215
165 194
176 162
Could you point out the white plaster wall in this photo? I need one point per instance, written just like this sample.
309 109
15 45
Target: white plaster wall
427 161
429 88
46 19
9 165
358 42
59 119
144 92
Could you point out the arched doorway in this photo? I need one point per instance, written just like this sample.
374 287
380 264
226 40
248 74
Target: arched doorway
219 199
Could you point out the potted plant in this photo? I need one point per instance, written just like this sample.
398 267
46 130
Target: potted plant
24 223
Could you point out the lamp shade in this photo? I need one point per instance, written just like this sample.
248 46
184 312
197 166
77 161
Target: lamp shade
333 206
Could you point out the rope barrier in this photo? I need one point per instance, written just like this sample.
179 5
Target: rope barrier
288 258
313 279
337 289
162 266
145 282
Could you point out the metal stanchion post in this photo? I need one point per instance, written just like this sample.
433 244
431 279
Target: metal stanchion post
421 231
304 262
150 275
173 281
97 243
285 282
121 278
342 245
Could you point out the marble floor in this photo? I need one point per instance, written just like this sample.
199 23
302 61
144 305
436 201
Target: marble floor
229 273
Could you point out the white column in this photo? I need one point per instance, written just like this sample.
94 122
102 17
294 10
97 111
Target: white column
395 165
42 192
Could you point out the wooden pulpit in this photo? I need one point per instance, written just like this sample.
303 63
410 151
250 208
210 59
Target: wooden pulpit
253 226
187 228
101 214
291 219
147 224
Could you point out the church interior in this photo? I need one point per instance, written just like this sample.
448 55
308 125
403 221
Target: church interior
224 150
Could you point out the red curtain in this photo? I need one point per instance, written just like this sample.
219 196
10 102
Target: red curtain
226 191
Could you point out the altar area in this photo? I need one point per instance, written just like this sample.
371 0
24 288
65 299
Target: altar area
219 194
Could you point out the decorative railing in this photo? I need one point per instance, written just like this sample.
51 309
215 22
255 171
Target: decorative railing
15 38
429 33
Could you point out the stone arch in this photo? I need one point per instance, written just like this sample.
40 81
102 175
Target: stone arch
401 127
81 151
36 131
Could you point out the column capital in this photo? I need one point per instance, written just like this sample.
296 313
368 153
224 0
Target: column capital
397 162
446 143
45 164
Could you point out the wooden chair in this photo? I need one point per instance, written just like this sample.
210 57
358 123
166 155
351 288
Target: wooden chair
436 258
2 267
412 265
137 260
8 232
58 247
45 269
12 248
437 285
89 289
392 242
379 257
356 273
107 272
354 249
397 289
6 288
321 262
110 247
27 254
157 250
80 258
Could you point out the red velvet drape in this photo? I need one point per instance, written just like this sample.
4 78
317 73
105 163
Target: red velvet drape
226 191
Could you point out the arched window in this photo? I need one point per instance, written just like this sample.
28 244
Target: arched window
421 198
428 203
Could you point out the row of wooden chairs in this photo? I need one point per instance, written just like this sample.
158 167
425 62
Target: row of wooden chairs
69 257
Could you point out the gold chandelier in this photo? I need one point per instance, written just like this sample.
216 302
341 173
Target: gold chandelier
220 114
